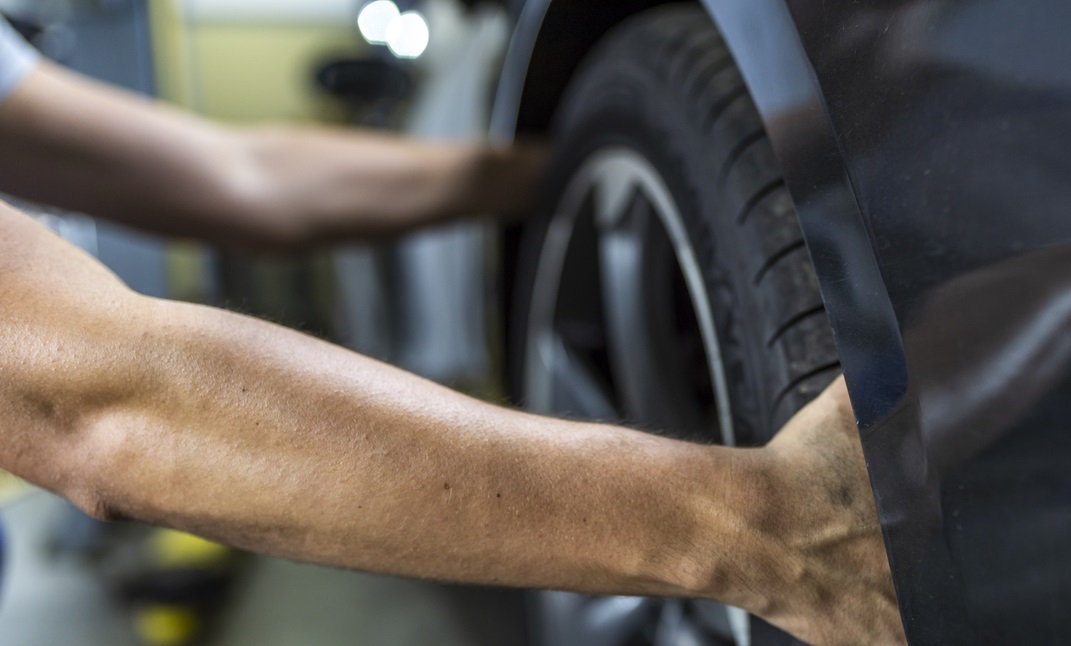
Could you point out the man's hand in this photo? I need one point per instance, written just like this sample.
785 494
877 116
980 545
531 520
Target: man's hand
820 520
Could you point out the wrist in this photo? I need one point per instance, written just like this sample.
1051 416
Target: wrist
744 559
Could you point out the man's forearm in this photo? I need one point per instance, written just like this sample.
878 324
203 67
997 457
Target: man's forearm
330 184
78 144
265 438
269 439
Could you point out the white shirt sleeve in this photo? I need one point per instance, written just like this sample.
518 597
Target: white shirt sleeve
17 58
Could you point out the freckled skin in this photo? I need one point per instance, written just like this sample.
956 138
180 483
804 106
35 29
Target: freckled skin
260 437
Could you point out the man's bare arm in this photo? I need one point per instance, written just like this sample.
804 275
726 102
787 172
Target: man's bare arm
79 144
271 440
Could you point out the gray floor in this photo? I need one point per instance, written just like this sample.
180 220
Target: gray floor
52 601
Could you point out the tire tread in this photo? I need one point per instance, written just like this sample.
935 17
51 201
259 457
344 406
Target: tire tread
677 47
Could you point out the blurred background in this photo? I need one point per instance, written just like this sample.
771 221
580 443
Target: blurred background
425 302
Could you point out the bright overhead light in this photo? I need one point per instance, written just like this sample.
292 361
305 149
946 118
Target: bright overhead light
375 18
408 35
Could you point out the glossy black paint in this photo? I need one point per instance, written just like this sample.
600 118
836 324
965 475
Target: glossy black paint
927 146
952 121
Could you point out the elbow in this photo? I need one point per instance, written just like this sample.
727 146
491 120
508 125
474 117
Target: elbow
96 506
69 463
47 442
93 480
253 209
69 432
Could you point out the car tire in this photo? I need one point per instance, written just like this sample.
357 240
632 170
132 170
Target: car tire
665 283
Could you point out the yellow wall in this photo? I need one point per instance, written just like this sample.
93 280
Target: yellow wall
246 71
253 62
173 82
264 72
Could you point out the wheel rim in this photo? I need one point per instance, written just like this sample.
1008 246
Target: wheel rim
644 350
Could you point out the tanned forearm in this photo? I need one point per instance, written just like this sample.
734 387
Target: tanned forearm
270 440
334 184
264 438
78 144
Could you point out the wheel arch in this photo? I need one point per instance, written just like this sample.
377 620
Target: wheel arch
552 37
550 40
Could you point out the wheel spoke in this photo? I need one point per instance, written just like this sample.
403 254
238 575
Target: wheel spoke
580 620
668 629
698 623
616 620
727 623
621 255
560 382
740 625
621 260
625 264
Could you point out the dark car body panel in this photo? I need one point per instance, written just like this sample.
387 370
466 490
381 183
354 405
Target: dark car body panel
927 147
